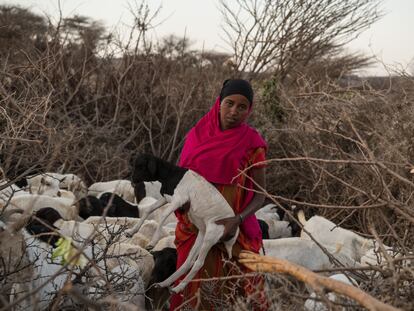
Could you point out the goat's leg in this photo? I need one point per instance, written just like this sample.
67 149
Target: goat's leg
192 255
213 234
145 213
174 205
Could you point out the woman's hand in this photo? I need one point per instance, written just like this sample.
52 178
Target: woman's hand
230 227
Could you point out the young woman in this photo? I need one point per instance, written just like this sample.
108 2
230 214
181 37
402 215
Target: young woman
218 147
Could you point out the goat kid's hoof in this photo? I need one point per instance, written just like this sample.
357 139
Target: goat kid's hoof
163 285
129 233
176 290
158 285
148 248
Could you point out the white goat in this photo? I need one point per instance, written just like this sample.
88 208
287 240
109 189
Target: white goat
43 184
331 236
305 253
312 304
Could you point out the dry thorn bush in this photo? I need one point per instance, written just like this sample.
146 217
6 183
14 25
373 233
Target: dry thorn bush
339 146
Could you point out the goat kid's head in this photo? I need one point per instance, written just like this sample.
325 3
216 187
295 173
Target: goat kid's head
144 168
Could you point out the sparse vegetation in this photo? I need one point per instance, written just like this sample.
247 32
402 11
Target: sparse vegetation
339 145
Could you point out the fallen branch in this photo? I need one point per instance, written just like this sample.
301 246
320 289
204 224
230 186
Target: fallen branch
319 283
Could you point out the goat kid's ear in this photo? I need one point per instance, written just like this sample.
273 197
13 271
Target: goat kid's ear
152 166
131 163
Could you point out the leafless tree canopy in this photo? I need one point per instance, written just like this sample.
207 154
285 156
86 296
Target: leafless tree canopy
282 36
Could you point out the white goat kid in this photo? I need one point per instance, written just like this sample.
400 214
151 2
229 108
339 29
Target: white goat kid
207 206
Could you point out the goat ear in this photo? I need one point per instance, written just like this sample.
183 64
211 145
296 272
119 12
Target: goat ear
152 166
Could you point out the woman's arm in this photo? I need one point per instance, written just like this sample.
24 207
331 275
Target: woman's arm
259 176
231 224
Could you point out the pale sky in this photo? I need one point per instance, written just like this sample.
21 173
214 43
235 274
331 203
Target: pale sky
390 39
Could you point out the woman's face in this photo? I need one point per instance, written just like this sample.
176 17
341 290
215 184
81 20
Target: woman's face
234 110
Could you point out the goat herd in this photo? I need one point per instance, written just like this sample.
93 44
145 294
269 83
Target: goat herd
119 257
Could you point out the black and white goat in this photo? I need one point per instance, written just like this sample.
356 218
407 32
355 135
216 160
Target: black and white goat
207 205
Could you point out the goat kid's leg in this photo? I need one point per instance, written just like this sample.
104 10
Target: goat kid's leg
192 255
212 236
145 213
229 244
170 209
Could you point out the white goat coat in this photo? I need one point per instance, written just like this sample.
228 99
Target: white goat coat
279 229
67 195
34 202
116 224
43 184
305 253
152 189
121 187
10 191
313 305
73 183
268 211
122 221
70 182
132 255
78 231
165 242
119 253
331 236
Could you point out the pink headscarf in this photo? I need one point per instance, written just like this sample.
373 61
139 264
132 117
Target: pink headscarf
215 154
218 155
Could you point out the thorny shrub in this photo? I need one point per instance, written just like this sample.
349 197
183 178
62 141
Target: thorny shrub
341 150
